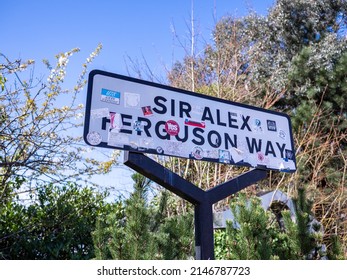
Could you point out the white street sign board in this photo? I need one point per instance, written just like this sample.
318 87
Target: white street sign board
140 116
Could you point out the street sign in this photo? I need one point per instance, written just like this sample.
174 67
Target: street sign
140 116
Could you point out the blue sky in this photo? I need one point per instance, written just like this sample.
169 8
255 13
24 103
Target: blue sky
40 29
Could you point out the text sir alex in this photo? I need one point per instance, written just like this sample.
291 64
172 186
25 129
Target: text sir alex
199 136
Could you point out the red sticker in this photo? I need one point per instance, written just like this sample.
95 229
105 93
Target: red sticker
194 123
172 128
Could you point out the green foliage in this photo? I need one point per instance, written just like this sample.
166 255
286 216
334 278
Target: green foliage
319 85
255 235
249 235
109 233
175 238
56 225
126 233
138 239
221 250
306 234
290 26
336 250
140 230
303 219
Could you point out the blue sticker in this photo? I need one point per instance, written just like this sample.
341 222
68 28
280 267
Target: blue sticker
138 126
110 96
257 126
289 154
271 125
224 156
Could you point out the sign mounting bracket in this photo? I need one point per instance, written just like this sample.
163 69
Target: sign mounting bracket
202 200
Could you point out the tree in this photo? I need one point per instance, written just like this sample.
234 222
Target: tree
293 60
289 27
140 228
109 233
138 238
255 234
38 124
56 225
249 235
305 236
127 230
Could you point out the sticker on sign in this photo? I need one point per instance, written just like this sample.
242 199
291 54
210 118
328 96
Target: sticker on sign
140 116
110 96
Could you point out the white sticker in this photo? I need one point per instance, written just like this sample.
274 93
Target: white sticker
131 100
282 134
197 110
115 122
247 158
117 139
212 154
146 142
286 165
197 153
99 113
174 148
237 155
134 145
281 167
94 138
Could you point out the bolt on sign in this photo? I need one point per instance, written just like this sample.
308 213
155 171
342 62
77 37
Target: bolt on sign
140 116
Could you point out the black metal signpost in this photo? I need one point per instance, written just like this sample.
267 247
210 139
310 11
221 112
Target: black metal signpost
143 117
202 200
